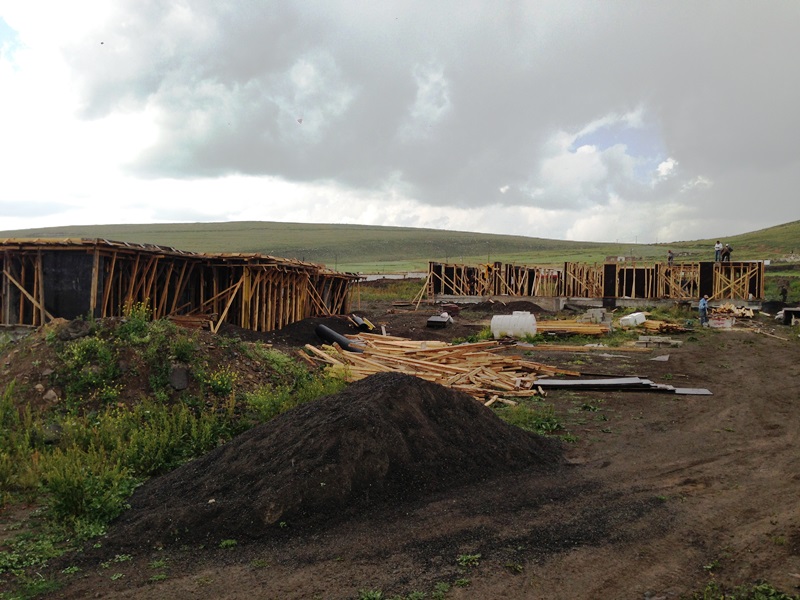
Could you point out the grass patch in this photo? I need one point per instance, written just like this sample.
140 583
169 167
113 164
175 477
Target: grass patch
538 418
760 591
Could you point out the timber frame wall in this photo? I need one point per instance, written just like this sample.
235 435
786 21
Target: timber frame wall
656 281
44 279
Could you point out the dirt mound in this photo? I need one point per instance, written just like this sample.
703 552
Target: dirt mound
294 335
504 308
390 437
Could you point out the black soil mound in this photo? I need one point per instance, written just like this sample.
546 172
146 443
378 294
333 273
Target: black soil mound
293 335
388 438
504 308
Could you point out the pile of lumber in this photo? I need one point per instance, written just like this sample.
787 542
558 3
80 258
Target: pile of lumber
572 327
476 368
196 321
663 327
732 309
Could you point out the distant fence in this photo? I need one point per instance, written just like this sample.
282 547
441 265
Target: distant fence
679 281
45 279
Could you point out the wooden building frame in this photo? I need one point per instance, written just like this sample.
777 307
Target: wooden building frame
649 281
43 279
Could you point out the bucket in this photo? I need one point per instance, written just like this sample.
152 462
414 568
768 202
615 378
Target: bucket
518 324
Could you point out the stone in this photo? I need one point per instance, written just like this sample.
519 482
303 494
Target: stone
179 377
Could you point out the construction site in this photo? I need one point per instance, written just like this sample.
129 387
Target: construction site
44 279
69 278
610 281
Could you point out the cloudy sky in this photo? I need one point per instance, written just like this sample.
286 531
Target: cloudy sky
625 121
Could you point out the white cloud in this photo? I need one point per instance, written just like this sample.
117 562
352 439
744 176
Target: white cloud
666 168
555 119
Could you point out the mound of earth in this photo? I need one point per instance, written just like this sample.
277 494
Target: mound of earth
388 438
504 308
293 335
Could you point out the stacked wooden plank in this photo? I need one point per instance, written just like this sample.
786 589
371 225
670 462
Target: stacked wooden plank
731 309
197 321
572 327
663 326
477 368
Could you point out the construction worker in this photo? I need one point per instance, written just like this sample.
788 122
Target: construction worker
702 308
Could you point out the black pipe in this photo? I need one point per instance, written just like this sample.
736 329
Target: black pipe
327 334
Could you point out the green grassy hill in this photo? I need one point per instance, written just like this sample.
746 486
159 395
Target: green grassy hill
364 248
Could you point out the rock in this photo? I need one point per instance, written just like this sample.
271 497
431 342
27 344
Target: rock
39 387
75 329
179 377
50 396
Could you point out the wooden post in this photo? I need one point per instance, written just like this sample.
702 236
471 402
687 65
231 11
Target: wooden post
93 288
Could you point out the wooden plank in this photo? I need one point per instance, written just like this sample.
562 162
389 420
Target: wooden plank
27 294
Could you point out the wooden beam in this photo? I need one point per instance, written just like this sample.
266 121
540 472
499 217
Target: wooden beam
94 285
27 294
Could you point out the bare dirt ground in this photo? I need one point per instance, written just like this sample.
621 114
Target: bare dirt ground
658 495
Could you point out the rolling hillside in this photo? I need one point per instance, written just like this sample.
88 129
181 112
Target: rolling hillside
363 248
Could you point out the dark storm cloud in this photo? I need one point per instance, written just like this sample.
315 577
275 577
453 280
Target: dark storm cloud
459 104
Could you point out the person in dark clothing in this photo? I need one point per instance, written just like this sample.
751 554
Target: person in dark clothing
726 253
670 258
784 292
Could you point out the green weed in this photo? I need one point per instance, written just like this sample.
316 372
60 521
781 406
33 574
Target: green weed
89 364
137 317
221 382
760 591
28 550
269 401
468 561
483 334
539 419
440 590
183 349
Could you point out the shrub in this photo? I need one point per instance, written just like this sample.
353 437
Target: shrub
183 349
221 381
85 486
135 326
89 364
269 401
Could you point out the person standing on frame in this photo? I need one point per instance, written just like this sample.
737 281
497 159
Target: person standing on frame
718 251
702 308
670 258
726 253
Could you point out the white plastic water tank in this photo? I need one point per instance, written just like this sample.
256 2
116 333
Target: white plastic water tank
518 324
